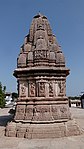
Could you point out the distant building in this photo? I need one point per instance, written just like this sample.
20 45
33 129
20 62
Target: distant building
8 98
75 103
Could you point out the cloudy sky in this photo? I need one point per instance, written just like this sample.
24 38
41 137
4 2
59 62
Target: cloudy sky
66 18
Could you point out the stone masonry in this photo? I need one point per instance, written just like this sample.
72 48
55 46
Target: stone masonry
42 109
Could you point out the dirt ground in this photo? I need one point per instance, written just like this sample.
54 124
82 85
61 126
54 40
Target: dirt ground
73 142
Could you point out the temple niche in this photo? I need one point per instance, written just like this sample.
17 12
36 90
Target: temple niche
42 109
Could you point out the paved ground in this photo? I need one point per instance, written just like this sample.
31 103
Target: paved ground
74 142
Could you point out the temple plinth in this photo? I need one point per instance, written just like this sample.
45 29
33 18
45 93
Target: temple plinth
42 109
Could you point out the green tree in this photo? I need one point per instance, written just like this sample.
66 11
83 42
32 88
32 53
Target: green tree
2 95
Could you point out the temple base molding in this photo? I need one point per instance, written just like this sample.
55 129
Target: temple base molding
42 131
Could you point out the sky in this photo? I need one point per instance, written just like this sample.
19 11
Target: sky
66 18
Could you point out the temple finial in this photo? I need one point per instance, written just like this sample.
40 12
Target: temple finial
39 13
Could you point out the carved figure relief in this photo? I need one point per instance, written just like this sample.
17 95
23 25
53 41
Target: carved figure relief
41 37
57 89
42 89
55 85
62 87
22 89
32 89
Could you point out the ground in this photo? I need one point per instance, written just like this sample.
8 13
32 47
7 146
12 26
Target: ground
58 143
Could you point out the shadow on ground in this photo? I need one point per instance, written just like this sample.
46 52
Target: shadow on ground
5 119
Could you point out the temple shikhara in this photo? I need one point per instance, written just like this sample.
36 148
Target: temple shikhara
42 109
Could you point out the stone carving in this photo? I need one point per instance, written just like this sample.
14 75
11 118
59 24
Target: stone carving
40 23
54 89
20 112
55 113
40 34
30 56
41 43
52 56
40 54
64 112
42 113
51 89
47 89
29 112
42 106
57 89
21 60
63 109
41 47
41 89
31 35
27 47
23 89
32 89
62 87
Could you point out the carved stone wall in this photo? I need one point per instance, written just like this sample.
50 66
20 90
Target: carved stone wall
32 89
23 89
43 88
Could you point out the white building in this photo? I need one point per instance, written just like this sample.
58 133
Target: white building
8 98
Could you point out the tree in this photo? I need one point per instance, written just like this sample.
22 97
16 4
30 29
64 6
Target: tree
2 95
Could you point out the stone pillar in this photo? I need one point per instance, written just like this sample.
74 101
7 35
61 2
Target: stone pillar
47 89
57 89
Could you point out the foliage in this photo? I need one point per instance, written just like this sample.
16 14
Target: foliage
73 98
2 95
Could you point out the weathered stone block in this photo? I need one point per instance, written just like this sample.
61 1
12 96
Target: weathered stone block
29 112
72 128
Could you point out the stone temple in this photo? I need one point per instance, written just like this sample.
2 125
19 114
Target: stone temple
42 109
